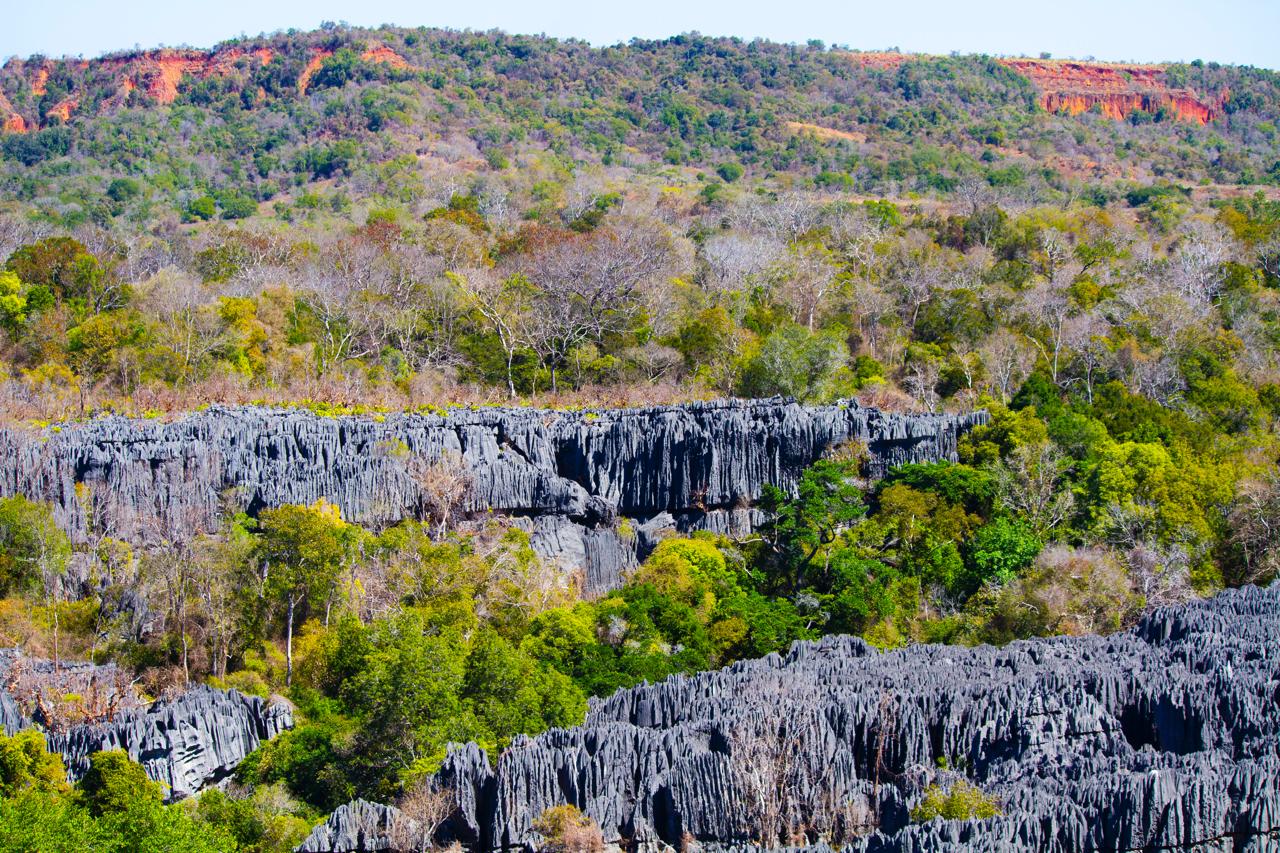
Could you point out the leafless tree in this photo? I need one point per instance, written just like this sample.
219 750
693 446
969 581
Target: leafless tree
922 374
1254 521
1156 376
787 219
920 275
16 232
874 309
1197 262
1031 483
736 260
1008 359
1085 337
653 360
188 322
588 288
1053 251
806 276
1160 570
1046 312
855 236
1268 257
457 245
423 809
446 484
506 305
766 766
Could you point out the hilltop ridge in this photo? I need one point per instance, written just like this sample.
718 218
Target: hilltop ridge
262 113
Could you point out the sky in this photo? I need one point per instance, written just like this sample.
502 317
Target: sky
1236 31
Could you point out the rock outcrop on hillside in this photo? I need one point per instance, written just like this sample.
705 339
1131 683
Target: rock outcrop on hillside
187 743
569 478
158 75
1116 90
1165 737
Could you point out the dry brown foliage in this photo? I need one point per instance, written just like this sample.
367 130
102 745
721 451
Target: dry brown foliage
61 697
422 810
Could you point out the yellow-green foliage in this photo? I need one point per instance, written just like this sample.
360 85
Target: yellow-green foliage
963 801
567 829
690 570
25 764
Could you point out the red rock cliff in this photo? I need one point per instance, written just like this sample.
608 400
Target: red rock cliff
1075 87
158 73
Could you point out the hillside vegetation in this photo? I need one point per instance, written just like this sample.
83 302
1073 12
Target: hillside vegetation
359 221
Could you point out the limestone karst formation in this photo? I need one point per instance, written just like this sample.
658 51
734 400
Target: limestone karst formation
570 478
186 743
1164 737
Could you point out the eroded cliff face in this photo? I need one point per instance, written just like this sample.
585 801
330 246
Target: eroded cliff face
1073 87
158 75
569 478
10 120
1166 737
187 743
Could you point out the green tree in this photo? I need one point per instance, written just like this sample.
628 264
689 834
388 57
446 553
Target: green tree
964 801
999 550
406 692
116 783
56 268
203 208
33 548
730 172
510 694
26 764
798 528
40 822
13 301
796 363
304 549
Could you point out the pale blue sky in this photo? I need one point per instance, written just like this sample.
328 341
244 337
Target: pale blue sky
1239 31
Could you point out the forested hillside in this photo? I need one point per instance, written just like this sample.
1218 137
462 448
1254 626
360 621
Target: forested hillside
363 223
279 123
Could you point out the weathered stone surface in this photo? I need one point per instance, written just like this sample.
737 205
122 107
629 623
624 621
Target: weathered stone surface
1165 737
355 827
567 476
187 743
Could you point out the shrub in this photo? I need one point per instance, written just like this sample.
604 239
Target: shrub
963 802
729 172
568 830
115 783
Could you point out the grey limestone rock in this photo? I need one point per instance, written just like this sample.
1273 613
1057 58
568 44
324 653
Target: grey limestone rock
187 743
569 477
1164 737
355 827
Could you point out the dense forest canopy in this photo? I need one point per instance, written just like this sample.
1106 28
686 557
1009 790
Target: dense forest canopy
360 221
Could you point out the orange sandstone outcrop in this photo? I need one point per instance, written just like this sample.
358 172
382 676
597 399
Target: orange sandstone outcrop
1072 87
10 120
313 65
385 56
39 80
884 60
159 73
63 109
380 54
